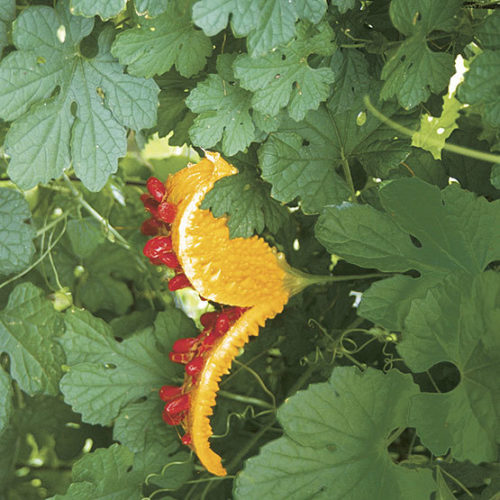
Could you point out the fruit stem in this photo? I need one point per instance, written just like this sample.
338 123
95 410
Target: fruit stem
298 280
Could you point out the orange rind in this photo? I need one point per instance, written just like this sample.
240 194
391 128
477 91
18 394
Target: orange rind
250 281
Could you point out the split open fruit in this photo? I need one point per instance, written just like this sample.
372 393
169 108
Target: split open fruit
250 281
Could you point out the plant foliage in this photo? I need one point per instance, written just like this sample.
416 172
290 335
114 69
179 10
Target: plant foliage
366 134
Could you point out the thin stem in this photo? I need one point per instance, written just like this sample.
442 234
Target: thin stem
432 381
259 380
348 176
37 261
245 399
51 260
92 211
317 279
50 225
395 435
455 480
453 148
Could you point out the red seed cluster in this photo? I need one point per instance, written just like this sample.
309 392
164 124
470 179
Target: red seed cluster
191 352
159 249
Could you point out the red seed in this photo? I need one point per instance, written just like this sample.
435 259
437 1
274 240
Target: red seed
151 206
150 227
222 324
186 439
195 366
178 405
156 188
169 392
208 342
184 345
166 212
178 282
208 319
157 246
181 357
172 419
145 196
169 259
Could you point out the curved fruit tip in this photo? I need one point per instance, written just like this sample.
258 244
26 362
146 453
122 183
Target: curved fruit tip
216 364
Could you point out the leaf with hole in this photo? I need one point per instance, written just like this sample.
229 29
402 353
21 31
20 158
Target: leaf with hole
437 233
335 443
457 322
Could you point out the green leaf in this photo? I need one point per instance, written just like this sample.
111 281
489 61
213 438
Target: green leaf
489 32
156 45
351 79
103 8
446 241
458 323
16 246
7 14
7 10
302 159
344 5
284 78
29 329
104 284
480 86
172 112
434 131
82 124
106 375
223 113
266 23
5 400
246 200
85 235
103 474
151 8
414 71
337 434
140 424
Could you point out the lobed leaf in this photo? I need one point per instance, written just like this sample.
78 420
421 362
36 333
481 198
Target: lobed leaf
106 375
301 159
84 122
103 8
265 23
335 443
284 78
458 322
154 46
453 235
245 200
223 113
435 130
414 71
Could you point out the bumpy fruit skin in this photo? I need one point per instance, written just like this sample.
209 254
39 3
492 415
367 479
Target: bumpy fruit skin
250 280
